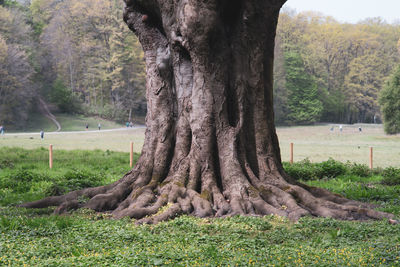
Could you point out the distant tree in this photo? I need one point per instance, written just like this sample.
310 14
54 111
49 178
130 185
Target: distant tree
390 103
362 85
88 47
16 88
280 91
303 103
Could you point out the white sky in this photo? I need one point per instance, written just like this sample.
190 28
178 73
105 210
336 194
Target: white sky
351 11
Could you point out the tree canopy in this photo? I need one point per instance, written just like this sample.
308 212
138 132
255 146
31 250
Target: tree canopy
348 62
390 103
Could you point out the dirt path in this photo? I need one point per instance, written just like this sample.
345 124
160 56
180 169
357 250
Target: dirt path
44 109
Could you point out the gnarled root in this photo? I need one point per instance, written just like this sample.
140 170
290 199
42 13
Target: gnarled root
159 202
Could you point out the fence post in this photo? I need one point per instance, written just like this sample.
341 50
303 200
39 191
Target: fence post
291 153
131 155
51 156
371 157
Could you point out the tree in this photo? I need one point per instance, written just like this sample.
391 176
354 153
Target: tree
304 105
210 146
390 103
16 87
363 83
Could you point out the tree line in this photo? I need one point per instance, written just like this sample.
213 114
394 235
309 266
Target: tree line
78 55
82 58
326 71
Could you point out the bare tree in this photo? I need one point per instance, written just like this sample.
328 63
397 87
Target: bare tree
210 146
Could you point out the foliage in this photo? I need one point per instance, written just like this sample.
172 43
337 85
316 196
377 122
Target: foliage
94 54
360 170
306 170
390 103
25 174
63 97
16 86
303 103
348 63
391 176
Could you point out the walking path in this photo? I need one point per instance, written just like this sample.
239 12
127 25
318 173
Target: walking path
44 109
81 132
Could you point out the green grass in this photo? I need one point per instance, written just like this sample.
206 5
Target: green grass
25 175
68 122
36 123
78 122
85 238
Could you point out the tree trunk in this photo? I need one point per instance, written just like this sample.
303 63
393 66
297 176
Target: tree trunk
210 146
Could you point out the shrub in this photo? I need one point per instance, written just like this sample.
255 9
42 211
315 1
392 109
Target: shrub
303 170
330 169
391 176
79 179
357 169
21 180
6 163
54 190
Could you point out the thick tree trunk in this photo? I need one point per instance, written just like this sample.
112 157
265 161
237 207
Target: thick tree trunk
210 146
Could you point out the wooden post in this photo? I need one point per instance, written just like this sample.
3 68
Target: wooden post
51 156
291 153
131 155
371 157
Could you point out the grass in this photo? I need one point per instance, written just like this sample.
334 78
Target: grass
85 238
78 122
315 143
25 176
68 122
118 140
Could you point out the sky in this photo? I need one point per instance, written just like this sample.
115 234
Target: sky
350 11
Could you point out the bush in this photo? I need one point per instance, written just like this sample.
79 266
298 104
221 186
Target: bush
305 170
21 180
330 169
360 170
391 176
79 179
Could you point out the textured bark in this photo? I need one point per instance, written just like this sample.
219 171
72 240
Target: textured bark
210 147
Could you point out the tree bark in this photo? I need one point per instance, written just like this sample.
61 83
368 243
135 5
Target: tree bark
210 146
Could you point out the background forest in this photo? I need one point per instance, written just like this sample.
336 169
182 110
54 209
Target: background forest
80 57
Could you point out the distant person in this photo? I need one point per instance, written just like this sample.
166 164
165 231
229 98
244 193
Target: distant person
360 129
1 129
42 134
127 124
340 128
99 126
131 124
332 129
87 126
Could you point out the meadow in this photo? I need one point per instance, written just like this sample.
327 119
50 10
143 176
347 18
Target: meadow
316 143
86 238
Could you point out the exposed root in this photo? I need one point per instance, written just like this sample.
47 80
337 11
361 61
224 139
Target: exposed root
159 203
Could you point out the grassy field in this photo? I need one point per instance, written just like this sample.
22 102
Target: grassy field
316 143
118 140
85 238
68 122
